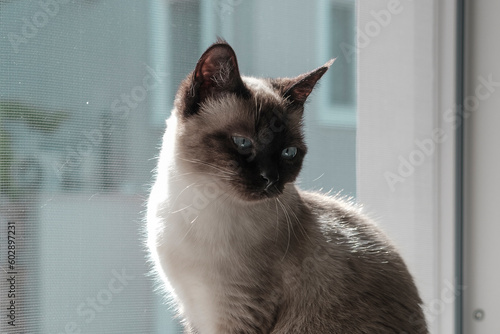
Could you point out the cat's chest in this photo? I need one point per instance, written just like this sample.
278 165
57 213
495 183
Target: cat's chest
202 221
197 261
205 245
198 296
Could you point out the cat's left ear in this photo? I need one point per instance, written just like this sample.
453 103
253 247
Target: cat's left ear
217 72
299 88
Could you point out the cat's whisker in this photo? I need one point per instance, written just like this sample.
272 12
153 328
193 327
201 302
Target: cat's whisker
221 176
288 223
288 211
189 186
221 198
181 209
198 184
180 193
218 168
277 219
191 224
299 225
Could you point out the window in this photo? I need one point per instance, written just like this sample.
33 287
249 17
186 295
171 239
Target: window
406 141
337 26
84 92
85 89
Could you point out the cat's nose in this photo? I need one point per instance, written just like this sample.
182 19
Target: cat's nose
271 177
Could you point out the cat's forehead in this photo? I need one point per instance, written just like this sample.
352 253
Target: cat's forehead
265 103
261 89
264 108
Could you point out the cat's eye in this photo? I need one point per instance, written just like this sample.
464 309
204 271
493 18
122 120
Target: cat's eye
242 143
289 152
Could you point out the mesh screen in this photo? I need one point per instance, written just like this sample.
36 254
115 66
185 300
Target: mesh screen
85 87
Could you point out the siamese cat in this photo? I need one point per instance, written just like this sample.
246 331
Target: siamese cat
238 247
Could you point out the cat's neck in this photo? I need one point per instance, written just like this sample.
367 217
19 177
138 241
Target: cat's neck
209 211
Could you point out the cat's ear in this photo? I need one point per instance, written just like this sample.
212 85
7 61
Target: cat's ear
298 89
217 72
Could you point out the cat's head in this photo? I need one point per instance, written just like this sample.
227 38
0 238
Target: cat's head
245 132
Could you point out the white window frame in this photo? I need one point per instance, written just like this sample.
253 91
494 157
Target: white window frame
406 89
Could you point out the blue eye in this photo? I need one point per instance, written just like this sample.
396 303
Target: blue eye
242 143
289 152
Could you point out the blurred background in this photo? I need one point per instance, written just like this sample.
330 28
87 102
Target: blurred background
85 88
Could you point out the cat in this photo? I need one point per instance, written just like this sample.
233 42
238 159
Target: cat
239 248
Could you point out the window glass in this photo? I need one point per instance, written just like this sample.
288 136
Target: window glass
85 88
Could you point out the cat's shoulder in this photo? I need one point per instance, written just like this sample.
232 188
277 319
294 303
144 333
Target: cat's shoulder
333 203
335 213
